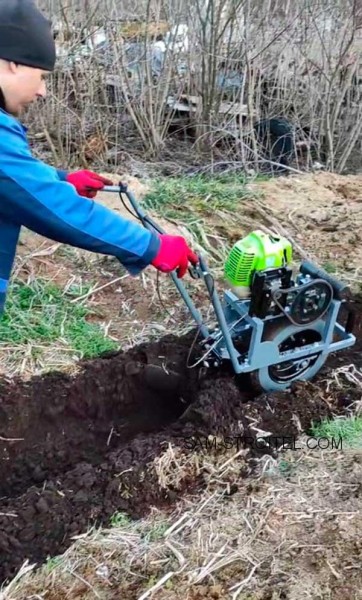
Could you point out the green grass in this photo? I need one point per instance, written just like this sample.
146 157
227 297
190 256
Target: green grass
152 533
41 312
52 563
120 519
349 429
329 267
207 205
156 532
286 468
186 198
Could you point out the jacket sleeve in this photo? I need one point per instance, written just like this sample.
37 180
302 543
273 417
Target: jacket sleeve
34 195
62 174
9 237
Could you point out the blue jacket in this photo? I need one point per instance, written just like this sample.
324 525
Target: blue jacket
35 195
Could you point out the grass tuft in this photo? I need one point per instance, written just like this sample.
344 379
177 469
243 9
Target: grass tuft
42 312
182 197
349 429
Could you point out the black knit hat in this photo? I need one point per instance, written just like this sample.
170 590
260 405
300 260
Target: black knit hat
25 35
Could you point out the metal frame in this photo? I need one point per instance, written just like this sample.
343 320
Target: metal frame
264 354
232 311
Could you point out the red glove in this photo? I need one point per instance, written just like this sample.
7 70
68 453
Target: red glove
88 183
173 253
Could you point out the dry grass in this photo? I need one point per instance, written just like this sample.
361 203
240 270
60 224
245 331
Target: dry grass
320 214
277 536
273 535
291 531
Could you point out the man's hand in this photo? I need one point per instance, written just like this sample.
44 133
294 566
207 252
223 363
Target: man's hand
174 253
88 183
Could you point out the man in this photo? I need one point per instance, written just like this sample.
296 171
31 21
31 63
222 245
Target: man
56 204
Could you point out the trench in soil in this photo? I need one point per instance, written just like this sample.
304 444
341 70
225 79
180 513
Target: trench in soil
81 445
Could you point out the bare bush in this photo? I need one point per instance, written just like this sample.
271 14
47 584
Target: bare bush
130 75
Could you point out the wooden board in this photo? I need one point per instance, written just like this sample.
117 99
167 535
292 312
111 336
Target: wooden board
194 103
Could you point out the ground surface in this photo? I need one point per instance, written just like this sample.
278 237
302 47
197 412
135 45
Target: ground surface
84 456
320 213
94 444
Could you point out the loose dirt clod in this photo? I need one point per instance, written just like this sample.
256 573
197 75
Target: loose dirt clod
84 446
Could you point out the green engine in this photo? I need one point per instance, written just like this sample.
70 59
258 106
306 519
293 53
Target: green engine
258 251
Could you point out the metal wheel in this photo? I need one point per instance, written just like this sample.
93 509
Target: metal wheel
280 377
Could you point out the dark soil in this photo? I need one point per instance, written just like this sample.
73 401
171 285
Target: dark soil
81 446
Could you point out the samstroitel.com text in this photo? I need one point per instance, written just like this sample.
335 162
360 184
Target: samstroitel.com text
275 442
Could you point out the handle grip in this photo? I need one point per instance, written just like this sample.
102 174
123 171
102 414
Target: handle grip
341 290
149 223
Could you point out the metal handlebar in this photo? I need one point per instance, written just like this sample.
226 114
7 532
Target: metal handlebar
201 271
150 224
147 221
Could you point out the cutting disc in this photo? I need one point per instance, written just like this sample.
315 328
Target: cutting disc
279 377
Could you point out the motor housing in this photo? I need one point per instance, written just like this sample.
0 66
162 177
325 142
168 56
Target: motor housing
257 252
